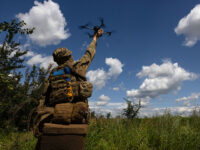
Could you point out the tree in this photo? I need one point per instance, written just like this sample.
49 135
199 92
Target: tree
10 60
31 91
93 114
132 109
11 56
108 115
10 52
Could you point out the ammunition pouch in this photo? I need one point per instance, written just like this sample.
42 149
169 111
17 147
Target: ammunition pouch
82 89
63 113
80 113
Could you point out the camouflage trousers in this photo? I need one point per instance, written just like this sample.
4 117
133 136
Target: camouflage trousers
64 113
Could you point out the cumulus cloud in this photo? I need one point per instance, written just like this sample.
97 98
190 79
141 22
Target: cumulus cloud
187 100
99 77
190 27
115 67
179 110
102 100
116 89
43 61
160 79
48 21
115 108
29 54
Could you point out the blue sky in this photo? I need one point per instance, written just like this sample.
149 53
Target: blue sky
161 35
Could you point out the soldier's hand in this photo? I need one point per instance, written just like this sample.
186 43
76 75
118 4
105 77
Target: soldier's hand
99 33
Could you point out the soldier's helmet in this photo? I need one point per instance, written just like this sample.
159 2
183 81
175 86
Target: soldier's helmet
61 54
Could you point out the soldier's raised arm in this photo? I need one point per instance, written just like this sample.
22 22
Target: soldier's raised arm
83 63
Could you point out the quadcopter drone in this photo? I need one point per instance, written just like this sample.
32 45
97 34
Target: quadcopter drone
95 28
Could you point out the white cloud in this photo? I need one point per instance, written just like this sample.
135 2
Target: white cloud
116 108
48 21
44 61
29 54
187 100
116 89
193 96
101 103
115 67
102 100
179 110
160 79
190 27
111 107
99 77
143 101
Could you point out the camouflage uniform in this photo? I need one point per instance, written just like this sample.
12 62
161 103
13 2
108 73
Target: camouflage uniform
72 109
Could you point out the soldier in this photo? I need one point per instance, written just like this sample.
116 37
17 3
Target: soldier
64 99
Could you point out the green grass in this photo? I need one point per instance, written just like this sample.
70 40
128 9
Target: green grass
13 140
158 133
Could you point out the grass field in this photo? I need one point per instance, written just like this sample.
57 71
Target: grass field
157 133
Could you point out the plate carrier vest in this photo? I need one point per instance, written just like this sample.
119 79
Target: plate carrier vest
60 86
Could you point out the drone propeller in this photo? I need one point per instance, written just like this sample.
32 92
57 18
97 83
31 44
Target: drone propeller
102 23
86 26
108 33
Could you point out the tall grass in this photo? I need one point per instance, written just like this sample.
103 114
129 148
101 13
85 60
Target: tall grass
157 133
13 140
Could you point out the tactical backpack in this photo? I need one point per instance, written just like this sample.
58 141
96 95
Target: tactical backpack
66 85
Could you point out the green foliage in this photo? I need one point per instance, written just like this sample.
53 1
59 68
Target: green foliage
17 98
108 115
10 52
17 141
10 60
92 114
29 93
158 133
132 109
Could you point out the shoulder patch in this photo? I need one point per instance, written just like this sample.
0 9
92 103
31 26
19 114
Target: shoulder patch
58 72
67 70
